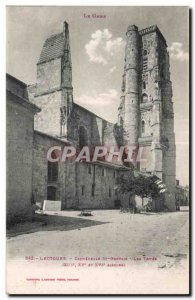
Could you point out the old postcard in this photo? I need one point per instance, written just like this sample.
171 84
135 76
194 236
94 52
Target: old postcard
97 103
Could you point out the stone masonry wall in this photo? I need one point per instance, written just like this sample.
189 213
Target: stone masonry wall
98 130
104 180
48 76
19 159
40 168
48 120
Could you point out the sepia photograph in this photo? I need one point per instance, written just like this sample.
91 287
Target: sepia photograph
97 150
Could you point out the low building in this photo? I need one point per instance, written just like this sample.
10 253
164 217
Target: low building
77 185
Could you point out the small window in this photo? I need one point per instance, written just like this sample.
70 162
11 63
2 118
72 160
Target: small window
62 115
145 63
143 126
68 107
114 174
145 52
93 190
103 172
89 169
110 192
144 98
52 169
167 143
144 85
82 190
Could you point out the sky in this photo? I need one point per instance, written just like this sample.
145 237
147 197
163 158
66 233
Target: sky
97 50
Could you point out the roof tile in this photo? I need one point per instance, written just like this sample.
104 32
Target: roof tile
52 48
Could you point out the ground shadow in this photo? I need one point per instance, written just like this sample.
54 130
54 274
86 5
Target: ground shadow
50 223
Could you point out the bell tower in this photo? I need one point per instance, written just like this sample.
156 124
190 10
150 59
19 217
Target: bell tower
131 88
53 92
146 109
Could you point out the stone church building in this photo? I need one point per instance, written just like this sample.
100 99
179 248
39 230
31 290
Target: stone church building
145 120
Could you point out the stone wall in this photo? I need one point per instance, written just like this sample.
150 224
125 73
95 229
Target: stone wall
48 120
19 124
42 143
98 131
48 76
95 186
75 180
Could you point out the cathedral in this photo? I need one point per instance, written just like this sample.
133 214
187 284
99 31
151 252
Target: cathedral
145 121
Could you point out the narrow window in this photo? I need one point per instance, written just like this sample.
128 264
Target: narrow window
145 60
82 190
103 172
143 126
145 52
62 115
52 169
83 137
110 192
144 98
144 85
89 169
68 107
93 190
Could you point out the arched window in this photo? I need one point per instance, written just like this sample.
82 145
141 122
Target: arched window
143 126
144 98
83 137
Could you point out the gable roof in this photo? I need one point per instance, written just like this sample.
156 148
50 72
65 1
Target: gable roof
52 48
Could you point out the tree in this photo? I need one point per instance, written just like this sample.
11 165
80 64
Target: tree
144 186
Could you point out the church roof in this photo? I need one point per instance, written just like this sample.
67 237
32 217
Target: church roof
52 48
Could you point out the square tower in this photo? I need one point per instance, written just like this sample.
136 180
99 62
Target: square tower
53 92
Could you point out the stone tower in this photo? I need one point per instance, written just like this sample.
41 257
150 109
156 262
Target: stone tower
131 86
146 110
53 92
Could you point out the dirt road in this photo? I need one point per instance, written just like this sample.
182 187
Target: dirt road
147 242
